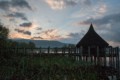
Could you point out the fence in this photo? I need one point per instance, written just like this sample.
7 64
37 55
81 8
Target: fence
110 57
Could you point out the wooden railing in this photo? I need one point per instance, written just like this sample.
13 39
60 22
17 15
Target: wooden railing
110 58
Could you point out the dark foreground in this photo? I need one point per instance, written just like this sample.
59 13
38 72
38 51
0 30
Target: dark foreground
49 67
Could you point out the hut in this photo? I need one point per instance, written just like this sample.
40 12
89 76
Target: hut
92 44
95 49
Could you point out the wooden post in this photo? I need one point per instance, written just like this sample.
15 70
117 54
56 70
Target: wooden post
17 50
97 55
69 50
117 58
114 57
75 52
89 54
117 63
64 50
40 50
104 50
55 50
48 50
81 51
24 50
110 58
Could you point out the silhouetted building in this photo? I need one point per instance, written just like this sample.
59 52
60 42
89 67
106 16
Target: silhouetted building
92 43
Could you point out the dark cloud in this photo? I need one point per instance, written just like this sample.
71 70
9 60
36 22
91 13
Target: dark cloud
76 35
73 38
22 31
48 31
113 18
87 2
37 37
37 33
6 5
17 15
11 8
29 24
51 34
19 31
38 28
71 2
75 2
112 33
107 26
20 3
73 34
27 32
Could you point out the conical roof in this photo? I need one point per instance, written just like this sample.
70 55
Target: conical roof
91 38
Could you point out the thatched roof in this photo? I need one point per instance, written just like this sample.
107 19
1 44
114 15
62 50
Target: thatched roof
91 38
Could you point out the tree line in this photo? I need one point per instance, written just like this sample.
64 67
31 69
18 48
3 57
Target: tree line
5 42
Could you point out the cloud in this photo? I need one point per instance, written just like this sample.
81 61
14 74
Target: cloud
61 4
73 35
95 11
16 15
38 28
102 9
7 5
107 26
73 38
86 2
114 44
23 31
11 9
50 34
20 3
76 2
27 32
4 5
56 4
29 24
19 35
37 38
113 18
71 2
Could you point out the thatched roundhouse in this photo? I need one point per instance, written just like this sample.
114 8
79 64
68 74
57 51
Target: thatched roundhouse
92 43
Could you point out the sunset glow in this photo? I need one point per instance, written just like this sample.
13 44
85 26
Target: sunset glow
62 20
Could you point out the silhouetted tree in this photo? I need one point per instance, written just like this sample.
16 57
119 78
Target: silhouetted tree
22 45
31 45
71 46
4 32
14 44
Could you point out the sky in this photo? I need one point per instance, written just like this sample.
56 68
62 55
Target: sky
63 20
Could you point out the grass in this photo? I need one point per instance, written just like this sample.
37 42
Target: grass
46 68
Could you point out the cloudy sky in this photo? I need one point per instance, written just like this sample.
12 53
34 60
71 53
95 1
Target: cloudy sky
62 20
